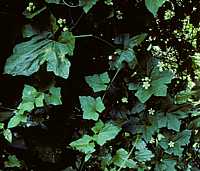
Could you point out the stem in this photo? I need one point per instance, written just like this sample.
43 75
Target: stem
81 36
111 83
71 6
78 20
129 154
96 37
108 43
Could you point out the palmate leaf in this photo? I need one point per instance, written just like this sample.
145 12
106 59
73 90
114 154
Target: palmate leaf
154 5
165 165
98 82
181 139
171 120
84 144
127 56
87 4
158 85
54 96
91 107
28 56
105 132
12 162
120 159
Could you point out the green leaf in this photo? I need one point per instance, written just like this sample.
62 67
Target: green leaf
143 154
98 82
26 106
165 165
121 159
28 56
158 85
87 4
12 162
54 96
125 56
84 144
1 125
28 31
137 40
171 120
154 5
104 132
68 39
91 107
181 139
15 120
39 100
53 24
8 135
56 60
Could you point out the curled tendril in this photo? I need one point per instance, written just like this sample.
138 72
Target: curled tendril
69 5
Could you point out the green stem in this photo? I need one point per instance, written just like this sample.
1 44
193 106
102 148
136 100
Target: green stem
129 154
111 83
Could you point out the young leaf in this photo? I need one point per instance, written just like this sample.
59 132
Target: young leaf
84 144
137 40
91 107
125 56
12 162
120 157
16 119
98 82
1 125
8 135
157 87
154 5
87 4
54 96
105 132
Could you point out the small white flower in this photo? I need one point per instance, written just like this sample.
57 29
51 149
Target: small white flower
65 29
30 4
110 57
124 100
196 131
146 82
171 144
152 141
161 66
151 111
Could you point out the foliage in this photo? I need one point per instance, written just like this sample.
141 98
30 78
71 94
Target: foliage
139 113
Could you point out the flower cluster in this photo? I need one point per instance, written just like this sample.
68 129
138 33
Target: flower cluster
146 82
31 7
119 15
62 24
168 58
189 32
169 14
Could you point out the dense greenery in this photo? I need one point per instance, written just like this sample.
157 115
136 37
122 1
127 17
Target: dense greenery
141 113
